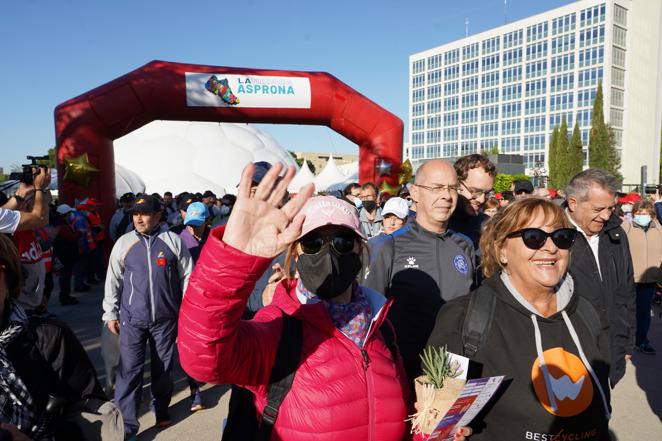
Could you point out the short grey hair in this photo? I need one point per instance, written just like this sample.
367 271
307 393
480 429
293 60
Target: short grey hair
581 183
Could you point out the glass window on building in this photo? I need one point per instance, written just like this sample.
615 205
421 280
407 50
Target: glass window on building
434 151
468 148
618 56
450 119
418 81
620 15
469 116
616 117
433 136
418 66
434 62
618 137
434 121
616 97
510 145
434 91
450 134
418 109
417 124
469 132
417 95
450 150
511 127
417 138
469 84
512 74
434 106
470 51
617 77
619 36
418 152
534 160
452 56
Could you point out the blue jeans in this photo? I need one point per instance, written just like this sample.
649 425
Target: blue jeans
645 293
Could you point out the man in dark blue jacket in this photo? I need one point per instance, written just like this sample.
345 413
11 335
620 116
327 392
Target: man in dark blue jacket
147 274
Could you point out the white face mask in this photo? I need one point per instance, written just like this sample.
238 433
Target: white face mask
626 208
642 220
225 210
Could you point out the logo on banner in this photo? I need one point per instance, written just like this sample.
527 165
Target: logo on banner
257 91
569 383
221 89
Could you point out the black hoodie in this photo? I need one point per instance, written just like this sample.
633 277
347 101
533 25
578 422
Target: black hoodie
522 410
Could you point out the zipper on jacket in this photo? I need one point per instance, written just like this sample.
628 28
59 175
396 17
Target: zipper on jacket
148 239
370 392
132 288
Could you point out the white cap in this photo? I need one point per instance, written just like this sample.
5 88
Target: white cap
397 206
63 209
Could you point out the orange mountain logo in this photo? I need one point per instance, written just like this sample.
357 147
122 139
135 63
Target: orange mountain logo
569 383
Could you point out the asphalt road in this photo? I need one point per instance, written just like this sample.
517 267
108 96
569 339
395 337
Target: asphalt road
636 400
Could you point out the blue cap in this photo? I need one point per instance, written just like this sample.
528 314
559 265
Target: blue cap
261 169
196 214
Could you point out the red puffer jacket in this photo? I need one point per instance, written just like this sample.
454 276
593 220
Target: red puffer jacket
340 392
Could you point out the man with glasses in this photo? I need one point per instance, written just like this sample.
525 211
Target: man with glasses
476 174
601 262
425 265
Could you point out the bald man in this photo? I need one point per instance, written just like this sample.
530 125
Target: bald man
425 265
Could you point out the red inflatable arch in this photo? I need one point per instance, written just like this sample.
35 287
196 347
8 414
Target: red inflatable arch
162 90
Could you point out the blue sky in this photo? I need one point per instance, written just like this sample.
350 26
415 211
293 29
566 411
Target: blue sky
54 50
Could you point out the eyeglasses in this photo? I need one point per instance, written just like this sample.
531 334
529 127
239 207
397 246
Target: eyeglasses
451 189
343 242
475 194
535 238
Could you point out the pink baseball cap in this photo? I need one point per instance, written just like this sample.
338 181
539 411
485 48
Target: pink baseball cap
329 210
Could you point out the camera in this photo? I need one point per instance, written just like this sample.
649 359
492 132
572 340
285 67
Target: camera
27 175
651 189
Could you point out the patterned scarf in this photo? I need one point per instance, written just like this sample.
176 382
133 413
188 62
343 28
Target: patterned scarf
20 411
352 319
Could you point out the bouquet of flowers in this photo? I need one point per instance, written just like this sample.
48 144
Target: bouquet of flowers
436 390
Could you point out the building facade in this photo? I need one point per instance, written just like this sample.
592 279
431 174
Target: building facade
508 87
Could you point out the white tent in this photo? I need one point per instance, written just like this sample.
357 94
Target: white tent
303 177
330 178
195 156
351 171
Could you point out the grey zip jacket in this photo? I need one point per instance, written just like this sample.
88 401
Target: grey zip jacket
422 270
146 279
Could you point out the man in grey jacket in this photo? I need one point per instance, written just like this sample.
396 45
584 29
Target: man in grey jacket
424 265
147 274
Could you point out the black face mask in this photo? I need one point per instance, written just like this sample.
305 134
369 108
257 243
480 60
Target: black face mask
327 273
370 205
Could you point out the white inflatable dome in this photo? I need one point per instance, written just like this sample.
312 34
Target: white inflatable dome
195 156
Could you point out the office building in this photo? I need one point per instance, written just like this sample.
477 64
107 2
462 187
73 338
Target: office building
508 87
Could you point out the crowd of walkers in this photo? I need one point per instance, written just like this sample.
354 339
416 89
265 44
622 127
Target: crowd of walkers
316 308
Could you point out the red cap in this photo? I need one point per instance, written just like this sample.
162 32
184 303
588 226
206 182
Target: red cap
498 196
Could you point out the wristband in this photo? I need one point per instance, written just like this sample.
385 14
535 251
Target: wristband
43 190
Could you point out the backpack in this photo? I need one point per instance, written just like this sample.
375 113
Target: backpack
241 423
480 314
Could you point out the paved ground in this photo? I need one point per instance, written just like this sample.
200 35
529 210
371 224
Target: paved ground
637 399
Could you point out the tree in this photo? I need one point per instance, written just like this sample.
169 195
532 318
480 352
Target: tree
575 155
602 151
563 162
502 181
552 158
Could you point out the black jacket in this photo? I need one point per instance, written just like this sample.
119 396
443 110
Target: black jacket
465 221
422 270
50 360
519 411
614 294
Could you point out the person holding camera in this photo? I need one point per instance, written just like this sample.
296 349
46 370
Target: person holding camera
12 220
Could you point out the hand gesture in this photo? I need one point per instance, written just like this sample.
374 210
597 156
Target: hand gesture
42 179
257 226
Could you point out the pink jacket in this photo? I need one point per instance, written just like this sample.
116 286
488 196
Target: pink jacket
340 391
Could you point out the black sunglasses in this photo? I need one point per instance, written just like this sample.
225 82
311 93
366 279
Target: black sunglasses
535 238
343 242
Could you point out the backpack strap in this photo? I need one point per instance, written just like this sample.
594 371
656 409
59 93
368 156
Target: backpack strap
282 374
587 313
478 320
390 269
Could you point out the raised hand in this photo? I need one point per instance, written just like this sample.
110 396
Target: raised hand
257 226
